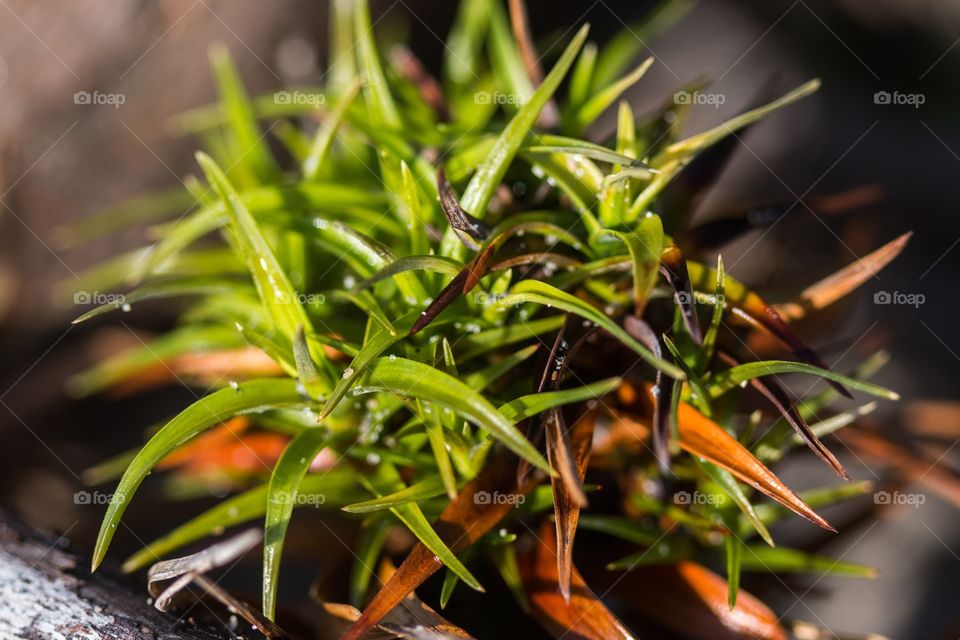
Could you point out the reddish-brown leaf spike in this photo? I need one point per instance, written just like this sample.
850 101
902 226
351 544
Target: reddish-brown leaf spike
785 404
705 438
568 496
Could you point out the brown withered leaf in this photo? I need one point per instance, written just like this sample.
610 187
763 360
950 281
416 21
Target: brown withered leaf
471 231
555 259
566 503
674 269
561 457
552 422
447 295
662 392
835 286
521 31
783 402
760 315
581 617
562 352
550 115
479 267
692 601
568 450
461 284
462 523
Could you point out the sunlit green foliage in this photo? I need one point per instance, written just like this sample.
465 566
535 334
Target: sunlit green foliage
325 262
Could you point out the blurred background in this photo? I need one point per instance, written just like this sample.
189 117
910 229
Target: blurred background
886 115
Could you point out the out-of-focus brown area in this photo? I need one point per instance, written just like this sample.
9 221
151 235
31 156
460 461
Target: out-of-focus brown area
61 161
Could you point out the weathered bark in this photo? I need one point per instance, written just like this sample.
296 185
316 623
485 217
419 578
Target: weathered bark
48 593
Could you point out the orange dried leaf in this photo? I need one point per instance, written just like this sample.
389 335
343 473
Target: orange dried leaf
581 617
210 368
462 523
703 437
692 601
219 436
837 285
